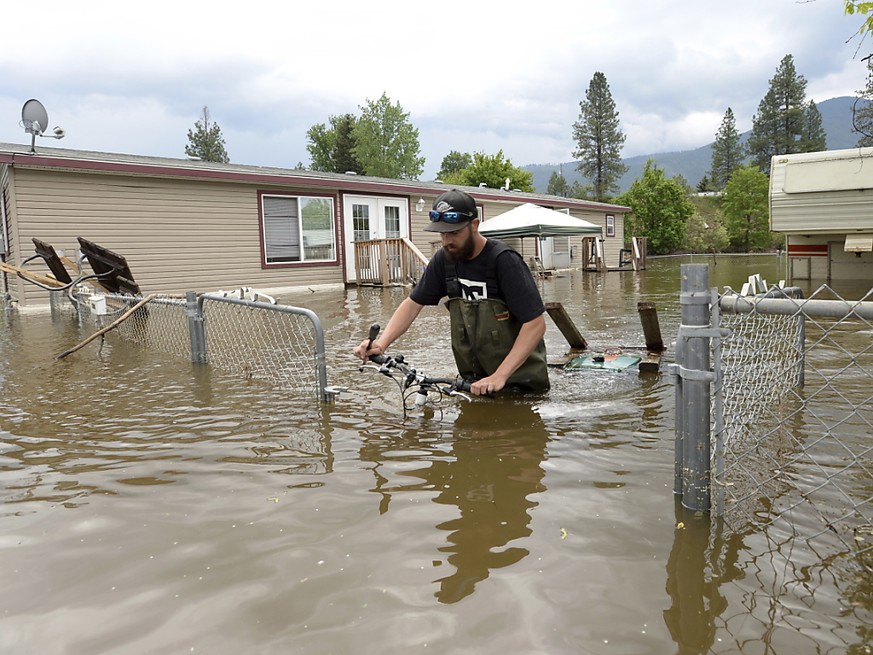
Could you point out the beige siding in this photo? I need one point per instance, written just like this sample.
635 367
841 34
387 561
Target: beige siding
15 286
177 235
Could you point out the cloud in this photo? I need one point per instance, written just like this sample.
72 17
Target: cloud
474 77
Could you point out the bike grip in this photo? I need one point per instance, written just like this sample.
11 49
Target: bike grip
378 359
462 385
374 332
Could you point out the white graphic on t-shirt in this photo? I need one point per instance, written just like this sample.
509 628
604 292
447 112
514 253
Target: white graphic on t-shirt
473 290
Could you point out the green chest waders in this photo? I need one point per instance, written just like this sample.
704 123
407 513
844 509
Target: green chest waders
483 333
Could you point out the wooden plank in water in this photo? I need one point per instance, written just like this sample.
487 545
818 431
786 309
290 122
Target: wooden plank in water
651 327
566 326
650 362
30 275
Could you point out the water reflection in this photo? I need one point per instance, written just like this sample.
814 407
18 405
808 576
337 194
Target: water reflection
698 566
487 466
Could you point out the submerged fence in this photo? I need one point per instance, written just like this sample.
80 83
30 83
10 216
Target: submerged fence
783 417
277 343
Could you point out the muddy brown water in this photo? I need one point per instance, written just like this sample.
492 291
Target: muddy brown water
151 506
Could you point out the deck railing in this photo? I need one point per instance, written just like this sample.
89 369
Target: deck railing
384 262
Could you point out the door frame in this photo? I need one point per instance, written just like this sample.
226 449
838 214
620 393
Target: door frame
377 226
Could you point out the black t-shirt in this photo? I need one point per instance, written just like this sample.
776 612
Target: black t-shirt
516 286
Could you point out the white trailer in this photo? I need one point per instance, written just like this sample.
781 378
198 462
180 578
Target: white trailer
823 203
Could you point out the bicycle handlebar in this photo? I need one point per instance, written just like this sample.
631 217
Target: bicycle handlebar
413 377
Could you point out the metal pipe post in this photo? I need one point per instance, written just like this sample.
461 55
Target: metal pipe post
694 300
196 329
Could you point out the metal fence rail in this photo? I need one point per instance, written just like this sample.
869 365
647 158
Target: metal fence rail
791 426
281 344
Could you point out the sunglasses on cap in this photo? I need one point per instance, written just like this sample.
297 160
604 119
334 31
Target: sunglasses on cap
449 217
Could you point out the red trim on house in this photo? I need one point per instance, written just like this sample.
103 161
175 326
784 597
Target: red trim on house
808 250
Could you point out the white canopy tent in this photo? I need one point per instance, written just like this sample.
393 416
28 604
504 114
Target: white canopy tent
529 220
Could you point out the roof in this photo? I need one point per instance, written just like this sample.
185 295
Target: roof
533 220
61 158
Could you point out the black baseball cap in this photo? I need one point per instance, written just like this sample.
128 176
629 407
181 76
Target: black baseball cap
453 201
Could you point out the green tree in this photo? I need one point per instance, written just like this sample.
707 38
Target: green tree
660 209
705 184
777 128
493 170
581 191
813 138
746 210
704 236
453 162
682 181
332 149
344 159
862 114
599 139
727 151
387 143
863 8
205 141
321 141
558 185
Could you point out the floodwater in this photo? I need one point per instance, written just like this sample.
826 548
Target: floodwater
152 506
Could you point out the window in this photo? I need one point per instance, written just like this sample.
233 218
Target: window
361 222
392 222
610 226
298 229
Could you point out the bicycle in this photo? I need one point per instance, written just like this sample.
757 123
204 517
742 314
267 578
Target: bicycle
413 381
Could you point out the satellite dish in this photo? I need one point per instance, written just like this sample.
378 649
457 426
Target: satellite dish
34 119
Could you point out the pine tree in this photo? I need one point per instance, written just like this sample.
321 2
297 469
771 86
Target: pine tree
813 138
205 141
727 152
599 139
777 128
862 118
558 185
332 149
344 159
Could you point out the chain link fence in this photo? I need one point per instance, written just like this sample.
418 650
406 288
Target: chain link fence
792 415
280 344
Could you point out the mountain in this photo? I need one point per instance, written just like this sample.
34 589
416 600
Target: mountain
836 117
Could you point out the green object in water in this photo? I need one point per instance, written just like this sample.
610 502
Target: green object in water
606 362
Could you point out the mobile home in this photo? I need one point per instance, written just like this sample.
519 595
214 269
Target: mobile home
823 203
201 226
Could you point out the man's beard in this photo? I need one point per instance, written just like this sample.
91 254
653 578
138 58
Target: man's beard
464 251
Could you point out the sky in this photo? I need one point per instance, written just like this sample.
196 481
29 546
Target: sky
474 76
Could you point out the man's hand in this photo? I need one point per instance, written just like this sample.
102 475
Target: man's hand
490 385
362 351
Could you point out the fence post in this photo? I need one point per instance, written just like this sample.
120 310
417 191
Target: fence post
196 330
694 437
679 429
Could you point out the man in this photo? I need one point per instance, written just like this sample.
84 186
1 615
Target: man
497 314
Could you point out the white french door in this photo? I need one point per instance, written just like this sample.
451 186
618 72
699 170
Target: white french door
371 217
